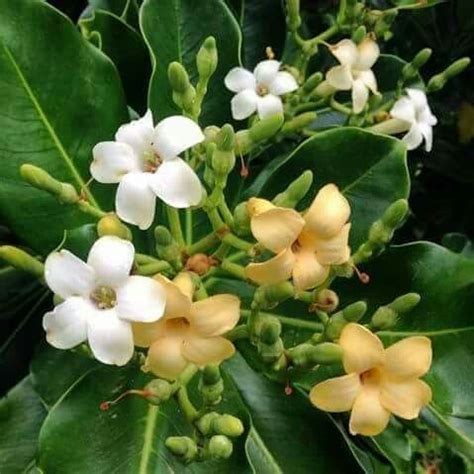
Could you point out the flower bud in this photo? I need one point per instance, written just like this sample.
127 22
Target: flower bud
210 132
182 446
296 191
21 260
205 423
111 225
270 353
355 311
299 122
160 391
227 425
223 158
269 296
211 393
241 220
167 248
359 34
326 300
293 19
384 318
220 447
260 131
438 82
394 216
270 330
312 82
206 59
308 355
211 374
178 77
405 303
335 325
40 179
411 69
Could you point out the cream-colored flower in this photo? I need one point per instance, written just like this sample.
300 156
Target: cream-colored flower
188 332
379 381
305 246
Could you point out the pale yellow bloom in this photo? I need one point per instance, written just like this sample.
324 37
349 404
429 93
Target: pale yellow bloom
305 246
379 382
189 331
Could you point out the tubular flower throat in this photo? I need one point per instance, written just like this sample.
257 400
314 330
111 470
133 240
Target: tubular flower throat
190 332
305 246
379 382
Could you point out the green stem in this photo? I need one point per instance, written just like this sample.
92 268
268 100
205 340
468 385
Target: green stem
188 216
154 268
175 224
234 269
339 107
143 259
185 404
226 214
204 244
297 323
325 35
88 208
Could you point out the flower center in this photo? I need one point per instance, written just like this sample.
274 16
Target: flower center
104 297
371 377
262 90
152 161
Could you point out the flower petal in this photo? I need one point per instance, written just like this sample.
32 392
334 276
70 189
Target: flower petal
165 358
66 325
362 349
307 271
283 83
269 105
340 77
112 260
145 334
112 161
110 338
368 417
138 134
368 78
175 134
215 316
141 299
207 350
414 137
329 211
277 228
176 184
403 109
239 79
360 95
427 132
66 275
409 358
256 206
345 51
274 270
135 201
265 71
178 296
185 283
405 399
418 99
244 104
335 250
337 394
368 53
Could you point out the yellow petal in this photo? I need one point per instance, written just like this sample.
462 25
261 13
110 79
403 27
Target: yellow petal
307 271
334 251
337 394
276 229
165 358
185 283
409 358
207 350
178 302
340 77
145 334
368 417
405 399
345 51
275 270
329 211
215 316
256 206
368 53
362 350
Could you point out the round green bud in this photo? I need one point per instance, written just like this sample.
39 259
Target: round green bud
270 331
384 318
206 59
159 391
241 219
225 138
210 374
300 355
405 303
227 425
220 447
270 295
182 446
178 77
270 353
243 142
208 176
163 236
223 162
212 394
205 423
359 34
355 311
111 225
335 326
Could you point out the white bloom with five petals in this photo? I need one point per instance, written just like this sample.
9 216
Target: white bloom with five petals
101 300
355 70
414 114
259 91
144 161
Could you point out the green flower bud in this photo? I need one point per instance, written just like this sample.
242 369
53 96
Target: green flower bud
260 131
220 447
270 295
111 225
308 355
355 311
301 355
270 330
163 236
293 19
384 23
270 353
223 163
166 247
212 394
227 425
178 78
299 122
206 59
395 215
379 232
211 132
384 318
359 34
205 423
438 82
241 219
335 325
296 191
21 260
225 138
160 391
40 179
411 69
183 447
211 374
312 82
405 303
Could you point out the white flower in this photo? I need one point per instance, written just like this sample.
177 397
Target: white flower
144 160
415 113
355 70
101 300
259 91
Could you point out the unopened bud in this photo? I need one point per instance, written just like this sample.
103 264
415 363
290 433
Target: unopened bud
21 260
178 77
227 425
355 311
308 355
183 447
359 34
394 216
326 300
266 128
335 325
411 69
312 82
205 423
384 318
220 447
167 248
438 82
405 303
206 59
211 132
270 295
223 158
293 19
270 330
211 394
241 220
295 191
225 138
299 122
270 353
111 225
160 391
211 374
163 236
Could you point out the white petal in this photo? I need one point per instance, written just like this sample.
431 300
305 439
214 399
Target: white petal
175 183
135 201
418 98
110 338
239 79
368 78
112 161
141 299
244 104
266 71
340 77
66 325
269 105
360 95
67 275
345 51
283 83
427 133
138 134
368 53
414 137
112 260
173 135
403 109
426 117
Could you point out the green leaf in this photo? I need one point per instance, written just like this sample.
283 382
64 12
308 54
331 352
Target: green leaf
56 103
459 243
174 31
21 416
368 168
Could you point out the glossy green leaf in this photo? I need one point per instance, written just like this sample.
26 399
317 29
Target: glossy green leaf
56 103
174 31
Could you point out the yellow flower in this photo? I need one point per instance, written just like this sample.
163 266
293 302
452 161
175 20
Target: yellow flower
305 247
379 381
188 332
